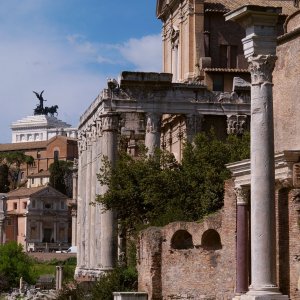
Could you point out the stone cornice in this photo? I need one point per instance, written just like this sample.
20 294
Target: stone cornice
284 161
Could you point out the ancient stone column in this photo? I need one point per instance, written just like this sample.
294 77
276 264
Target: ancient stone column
110 122
242 238
152 138
94 172
82 146
193 126
260 49
74 202
59 277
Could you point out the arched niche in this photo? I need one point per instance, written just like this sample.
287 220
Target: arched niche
182 240
211 240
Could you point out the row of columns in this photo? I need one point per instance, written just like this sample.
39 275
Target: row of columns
97 229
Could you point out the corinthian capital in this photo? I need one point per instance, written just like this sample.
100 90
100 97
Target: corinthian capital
261 68
242 195
110 122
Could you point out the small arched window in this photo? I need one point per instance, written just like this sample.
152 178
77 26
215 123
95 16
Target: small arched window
56 155
211 240
182 240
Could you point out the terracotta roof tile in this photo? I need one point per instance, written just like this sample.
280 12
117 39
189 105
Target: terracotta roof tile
226 70
24 192
32 145
45 173
287 5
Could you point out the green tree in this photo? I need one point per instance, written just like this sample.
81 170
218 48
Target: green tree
14 160
60 176
14 264
4 182
157 190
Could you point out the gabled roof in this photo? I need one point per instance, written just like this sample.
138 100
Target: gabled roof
227 5
41 191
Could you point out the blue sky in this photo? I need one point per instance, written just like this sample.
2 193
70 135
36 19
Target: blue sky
69 48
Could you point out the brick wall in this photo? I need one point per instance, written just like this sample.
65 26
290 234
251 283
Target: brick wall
198 271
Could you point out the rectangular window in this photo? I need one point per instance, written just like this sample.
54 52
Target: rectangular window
15 205
32 180
228 56
218 82
24 205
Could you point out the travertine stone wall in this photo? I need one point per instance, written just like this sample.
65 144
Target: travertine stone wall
199 271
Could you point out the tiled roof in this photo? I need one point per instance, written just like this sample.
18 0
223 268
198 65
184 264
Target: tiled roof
226 70
45 173
287 5
227 5
24 192
23 146
32 145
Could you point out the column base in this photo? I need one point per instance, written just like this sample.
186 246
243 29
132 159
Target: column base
89 274
264 297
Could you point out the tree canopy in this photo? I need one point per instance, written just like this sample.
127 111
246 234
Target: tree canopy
60 176
13 162
157 190
14 263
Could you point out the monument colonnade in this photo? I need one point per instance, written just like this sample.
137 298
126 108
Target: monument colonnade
142 94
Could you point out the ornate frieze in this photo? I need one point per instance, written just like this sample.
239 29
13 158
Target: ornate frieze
236 124
261 68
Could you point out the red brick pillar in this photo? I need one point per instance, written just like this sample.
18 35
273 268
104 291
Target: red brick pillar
242 244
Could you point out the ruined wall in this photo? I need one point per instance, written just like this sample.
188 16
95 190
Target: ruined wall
288 243
185 260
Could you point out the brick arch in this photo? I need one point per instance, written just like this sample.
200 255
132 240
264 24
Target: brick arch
182 239
211 240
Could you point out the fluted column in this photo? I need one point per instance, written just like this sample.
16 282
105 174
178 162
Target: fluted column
94 172
242 240
74 202
98 191
152 138
193 125
82 146
108 245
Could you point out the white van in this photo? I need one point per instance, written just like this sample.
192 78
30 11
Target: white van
72 249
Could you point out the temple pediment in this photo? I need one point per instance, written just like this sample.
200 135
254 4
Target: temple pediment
48 192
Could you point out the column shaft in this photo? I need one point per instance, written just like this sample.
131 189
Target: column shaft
262 176
152 137
242 258
108 219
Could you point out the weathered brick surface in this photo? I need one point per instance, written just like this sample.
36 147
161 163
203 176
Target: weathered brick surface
195 273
